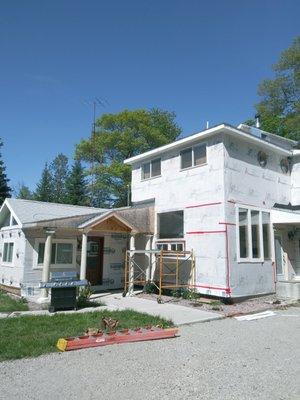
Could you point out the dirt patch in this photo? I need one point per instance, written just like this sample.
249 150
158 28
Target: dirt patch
248 306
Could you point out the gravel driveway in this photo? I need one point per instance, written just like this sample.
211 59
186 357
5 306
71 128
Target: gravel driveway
224 359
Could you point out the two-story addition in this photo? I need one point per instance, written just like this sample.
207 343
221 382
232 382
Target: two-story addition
230 195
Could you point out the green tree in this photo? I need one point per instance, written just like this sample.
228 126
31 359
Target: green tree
279 107
117 137
76 187
44 190
59 170
24 193
5 190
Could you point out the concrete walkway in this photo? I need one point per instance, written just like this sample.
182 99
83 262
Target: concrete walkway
180 315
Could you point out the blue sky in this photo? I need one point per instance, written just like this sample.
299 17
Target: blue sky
201 59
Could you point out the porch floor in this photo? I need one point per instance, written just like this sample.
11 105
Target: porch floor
180 315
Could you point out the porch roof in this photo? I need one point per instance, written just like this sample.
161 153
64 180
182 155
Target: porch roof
285 217
128 219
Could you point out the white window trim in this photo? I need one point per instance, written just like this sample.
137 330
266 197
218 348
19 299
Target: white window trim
193 160
54 266
169 242
261 259
8 263
150 162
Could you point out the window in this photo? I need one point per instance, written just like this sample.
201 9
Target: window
151 169
193 156
170 246
61 253
200 154
243 232
186 158
8 250
266 234
170 225
254 233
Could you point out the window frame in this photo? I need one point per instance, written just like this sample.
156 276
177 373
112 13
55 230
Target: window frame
250 258
202 144
150 162
8 263
169 243
73 242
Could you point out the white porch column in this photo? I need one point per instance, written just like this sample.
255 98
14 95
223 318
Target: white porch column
46 263
131 266
83 256
153 258
148 246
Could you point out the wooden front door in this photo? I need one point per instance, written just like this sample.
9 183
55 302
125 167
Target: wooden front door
94 260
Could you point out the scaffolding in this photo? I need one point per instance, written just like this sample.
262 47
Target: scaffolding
163 270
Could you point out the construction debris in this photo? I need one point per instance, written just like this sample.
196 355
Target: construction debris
112 337
251 317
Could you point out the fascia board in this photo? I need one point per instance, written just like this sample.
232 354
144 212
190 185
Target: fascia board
202 135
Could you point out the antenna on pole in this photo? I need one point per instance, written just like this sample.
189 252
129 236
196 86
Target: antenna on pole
94 103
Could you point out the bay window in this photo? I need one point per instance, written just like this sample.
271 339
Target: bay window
253 235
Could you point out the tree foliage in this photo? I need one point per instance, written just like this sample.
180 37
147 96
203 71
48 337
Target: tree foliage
117 137
76 188
5 190
279 107
59 174
24 193
44 189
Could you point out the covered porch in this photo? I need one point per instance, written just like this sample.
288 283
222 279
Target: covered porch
101 243
287 253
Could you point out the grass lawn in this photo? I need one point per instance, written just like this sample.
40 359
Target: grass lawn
31 336
9 304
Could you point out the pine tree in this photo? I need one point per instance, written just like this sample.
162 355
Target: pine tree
60 170
44 190
5 190
24 193
76 186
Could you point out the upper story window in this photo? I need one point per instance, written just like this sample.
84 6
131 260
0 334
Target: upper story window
193 156
253 235
8 251
151 169
170 225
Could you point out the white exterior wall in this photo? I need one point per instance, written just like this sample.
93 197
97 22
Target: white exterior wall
11 274
183 190
295 181
246 182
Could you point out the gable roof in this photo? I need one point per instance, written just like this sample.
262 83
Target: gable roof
221 128
29 211
37 214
